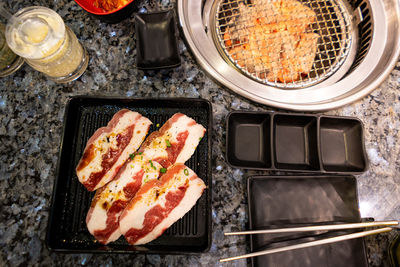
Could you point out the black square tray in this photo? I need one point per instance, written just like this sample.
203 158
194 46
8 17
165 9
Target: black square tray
293 201
67 230
295 142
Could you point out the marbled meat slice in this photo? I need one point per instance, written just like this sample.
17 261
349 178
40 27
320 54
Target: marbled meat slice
289 71
295 16
109 148
306 50
160 203
175 142
297 57
102 220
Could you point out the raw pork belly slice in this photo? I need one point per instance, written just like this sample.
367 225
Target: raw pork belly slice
175 142
109 148
109 201
160 203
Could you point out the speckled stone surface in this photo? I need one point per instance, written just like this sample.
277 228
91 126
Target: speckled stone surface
31 118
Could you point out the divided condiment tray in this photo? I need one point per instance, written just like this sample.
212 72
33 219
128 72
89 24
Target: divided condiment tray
295 142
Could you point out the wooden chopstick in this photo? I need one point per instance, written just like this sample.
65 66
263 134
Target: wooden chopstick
311 244
317 228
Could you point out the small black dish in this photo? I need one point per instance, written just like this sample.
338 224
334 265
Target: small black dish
156 40
250 140
295 140
341 144
294 201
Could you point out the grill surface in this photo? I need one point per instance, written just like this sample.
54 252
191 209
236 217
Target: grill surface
332 23
71 201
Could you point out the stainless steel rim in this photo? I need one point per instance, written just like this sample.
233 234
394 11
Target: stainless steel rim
382 55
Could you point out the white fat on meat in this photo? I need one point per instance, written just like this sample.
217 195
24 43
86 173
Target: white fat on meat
158 147
134 214
102 145
113 191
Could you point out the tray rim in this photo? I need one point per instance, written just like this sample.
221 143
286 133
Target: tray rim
303 176
318 117
133 252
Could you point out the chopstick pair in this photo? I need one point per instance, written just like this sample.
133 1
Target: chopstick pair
387 227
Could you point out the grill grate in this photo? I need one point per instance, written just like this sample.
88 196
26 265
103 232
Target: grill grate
262 39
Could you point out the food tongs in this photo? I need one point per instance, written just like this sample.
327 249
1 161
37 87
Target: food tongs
386 226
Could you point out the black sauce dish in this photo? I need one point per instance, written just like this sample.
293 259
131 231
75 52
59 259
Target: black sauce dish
156 40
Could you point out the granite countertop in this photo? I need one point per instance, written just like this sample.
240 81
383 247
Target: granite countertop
31 119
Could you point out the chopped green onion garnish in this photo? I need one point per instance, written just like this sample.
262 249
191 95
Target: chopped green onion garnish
186 172
151 164
133 155
163 170
168 143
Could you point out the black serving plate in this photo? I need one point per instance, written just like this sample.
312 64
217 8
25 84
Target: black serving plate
292 201
67 230
295 142
157 45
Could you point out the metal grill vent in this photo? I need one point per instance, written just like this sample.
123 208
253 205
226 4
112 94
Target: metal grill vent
365 32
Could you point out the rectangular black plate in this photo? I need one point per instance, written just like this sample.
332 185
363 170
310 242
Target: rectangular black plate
67 230
295 142
292 201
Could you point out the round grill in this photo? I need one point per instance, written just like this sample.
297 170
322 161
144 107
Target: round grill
285 44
